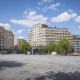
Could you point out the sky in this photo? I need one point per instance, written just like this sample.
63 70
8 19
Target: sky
20 15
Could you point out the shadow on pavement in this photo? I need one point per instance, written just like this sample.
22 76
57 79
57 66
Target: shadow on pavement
9 64
58 76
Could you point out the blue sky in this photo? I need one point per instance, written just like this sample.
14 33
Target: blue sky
20 15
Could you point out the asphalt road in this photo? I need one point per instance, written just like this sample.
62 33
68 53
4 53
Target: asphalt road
39 67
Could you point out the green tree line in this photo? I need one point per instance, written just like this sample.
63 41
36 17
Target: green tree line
61 46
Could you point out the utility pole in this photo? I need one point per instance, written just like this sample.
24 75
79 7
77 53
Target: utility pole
32 51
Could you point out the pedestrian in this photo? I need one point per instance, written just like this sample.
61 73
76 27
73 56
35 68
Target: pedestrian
61 53
2 52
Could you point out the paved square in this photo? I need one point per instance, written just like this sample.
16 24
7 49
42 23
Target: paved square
39 67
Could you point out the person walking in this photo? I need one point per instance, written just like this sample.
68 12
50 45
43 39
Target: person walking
61 53
2 52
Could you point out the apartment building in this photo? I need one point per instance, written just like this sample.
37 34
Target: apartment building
40 34
1 38
6 39
17 42
76 43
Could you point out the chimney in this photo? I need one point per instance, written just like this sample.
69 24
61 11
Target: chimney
55 26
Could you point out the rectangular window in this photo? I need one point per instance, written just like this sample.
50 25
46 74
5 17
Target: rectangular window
47 33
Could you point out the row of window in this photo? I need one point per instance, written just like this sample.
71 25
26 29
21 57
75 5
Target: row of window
56 33
38 44
76 44
57 41
57 36
1 47
1 44
8 34
1 41
1 38
1 31
55 30
8 37
77 41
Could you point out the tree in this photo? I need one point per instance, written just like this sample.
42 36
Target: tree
46 49
50 46
69 50
62 45
36 48
24 46
41 47
58 48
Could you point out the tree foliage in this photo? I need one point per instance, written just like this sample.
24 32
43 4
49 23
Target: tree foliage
62 45
36 48
46 49
69 50
58 48
50 46
24 46
41 47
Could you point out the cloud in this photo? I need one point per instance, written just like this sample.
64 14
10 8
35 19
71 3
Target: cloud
70 10
77 19
49 23
38 8
79 27
20 37
31 13
52 7
25 12
40 3
20 31
14 32
47 1
63 17
44 1
31 19
6 26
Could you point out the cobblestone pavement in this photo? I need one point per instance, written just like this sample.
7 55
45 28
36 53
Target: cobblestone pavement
39 67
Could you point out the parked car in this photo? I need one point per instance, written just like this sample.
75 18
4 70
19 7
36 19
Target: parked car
75 54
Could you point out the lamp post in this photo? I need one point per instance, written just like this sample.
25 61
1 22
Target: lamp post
32 51
17 47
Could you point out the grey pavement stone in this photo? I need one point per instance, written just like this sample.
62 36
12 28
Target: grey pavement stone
39 67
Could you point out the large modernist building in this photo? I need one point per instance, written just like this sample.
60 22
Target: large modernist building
40 34
6 39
